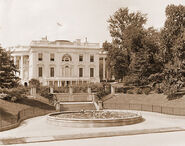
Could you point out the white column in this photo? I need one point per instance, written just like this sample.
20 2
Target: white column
103 68
21 67
58 83
15 58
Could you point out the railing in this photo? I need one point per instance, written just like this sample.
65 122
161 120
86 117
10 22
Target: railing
9 123
144 107
69 44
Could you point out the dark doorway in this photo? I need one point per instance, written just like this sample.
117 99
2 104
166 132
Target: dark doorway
25 84
67 83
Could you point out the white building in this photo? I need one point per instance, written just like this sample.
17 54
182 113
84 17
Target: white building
59 62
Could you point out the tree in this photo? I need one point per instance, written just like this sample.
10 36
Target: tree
123 26
8 79
173 42
173 31
34 83
134 50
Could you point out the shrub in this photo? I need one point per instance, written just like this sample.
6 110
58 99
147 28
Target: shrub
95 87
119 90
130 92
147 90
14 94
158 89
101 89
139 91
80 88
34 83
45 92
61 90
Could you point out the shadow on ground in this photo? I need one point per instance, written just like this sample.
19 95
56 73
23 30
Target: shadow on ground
175 96
6 116
35 103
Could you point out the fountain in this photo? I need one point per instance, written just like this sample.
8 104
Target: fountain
91 118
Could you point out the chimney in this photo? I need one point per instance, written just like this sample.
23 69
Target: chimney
78 41
86 40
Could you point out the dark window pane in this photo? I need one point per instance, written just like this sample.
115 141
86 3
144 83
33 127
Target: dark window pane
91 72
80 57
40 56
52 72
80 72
92 58
52 57
40 71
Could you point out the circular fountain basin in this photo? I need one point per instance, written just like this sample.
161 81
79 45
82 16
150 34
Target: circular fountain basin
85 119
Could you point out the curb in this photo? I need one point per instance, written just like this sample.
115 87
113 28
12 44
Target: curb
23 140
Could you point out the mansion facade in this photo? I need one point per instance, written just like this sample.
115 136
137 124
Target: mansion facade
60 62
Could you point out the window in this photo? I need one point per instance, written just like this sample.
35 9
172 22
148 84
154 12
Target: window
80 58
66 58
92 58
52 57
80 72
40 71
40 56
52 72
91 72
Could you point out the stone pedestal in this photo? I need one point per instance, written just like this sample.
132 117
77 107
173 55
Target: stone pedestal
112 90
100 105
33 92
89 90
51 90
70 90
57 107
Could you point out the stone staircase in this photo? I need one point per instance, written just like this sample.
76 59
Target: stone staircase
76 101
181 91
77 106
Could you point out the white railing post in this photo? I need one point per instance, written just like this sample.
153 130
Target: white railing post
112 89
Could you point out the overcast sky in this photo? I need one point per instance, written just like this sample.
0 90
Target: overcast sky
24 20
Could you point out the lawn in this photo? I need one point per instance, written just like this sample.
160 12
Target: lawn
151 99
10 109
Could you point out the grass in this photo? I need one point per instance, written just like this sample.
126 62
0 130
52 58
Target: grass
151 99
10 109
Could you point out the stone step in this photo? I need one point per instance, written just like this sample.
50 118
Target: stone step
74 97
76 106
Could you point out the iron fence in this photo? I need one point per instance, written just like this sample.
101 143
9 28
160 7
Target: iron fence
7 122
144 107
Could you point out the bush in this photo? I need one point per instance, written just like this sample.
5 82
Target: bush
147 90
45 92
139 91
34 83
101 89
95 87
119 90
80 88
130 92
158 89
61 90
14 94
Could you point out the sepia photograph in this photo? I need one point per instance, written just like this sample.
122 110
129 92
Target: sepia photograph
92 72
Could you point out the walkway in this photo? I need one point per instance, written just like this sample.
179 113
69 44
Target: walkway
38 130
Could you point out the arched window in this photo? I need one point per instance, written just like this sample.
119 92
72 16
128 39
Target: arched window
66 58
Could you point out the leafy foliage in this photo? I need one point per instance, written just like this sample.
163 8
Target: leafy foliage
173 42
134 51
34 83
8 79
14 94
